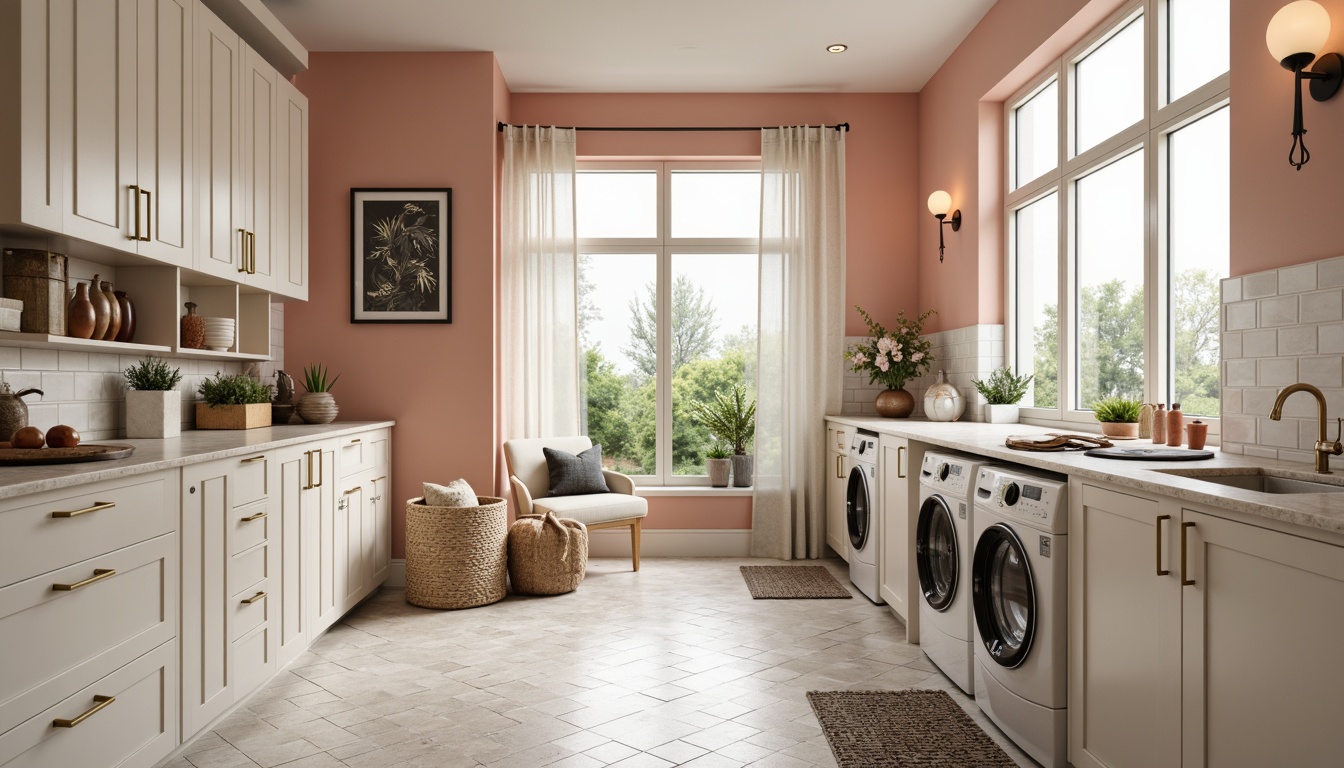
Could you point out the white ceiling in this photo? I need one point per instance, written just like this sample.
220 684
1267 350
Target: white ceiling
667 46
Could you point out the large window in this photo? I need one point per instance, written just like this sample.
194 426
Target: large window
668 262
1116 205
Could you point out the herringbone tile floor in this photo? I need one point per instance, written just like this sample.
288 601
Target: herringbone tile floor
674 665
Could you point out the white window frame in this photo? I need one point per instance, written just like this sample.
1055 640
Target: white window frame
664 247
1162 117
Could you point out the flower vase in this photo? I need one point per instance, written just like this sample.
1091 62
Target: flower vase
895 404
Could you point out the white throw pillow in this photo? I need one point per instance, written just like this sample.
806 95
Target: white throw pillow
455 494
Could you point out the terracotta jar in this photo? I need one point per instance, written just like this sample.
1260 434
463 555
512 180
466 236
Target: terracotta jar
102 310
193 328
127 332
113 313
80 318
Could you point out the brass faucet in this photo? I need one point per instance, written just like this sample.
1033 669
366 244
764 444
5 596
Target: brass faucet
1323 447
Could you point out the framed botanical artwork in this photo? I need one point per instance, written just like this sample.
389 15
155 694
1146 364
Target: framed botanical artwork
401 266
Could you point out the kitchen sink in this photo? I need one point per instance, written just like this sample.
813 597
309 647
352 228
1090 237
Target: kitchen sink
1258 480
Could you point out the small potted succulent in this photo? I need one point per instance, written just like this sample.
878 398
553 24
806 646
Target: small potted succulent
153 402
317 406
1119 416
731 418
233 402
718 464
1002 391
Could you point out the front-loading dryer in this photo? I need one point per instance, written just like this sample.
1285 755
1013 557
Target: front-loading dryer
1019 585
862 517
943 548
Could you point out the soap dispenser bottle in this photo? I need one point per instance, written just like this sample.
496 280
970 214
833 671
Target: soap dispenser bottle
1175 425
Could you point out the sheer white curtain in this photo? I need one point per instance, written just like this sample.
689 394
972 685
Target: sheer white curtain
801 335
538 275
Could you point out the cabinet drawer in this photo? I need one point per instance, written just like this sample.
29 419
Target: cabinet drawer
251 479
363 452
251 608
57 641
251 526
93 519
246 569
252 660
134 730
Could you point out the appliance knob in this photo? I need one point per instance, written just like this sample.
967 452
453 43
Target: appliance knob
1009 494
943 470
862 445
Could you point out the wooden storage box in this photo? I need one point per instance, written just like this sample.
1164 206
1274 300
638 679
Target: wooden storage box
39 280
248 416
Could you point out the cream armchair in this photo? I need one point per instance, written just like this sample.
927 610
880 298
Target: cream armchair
532 480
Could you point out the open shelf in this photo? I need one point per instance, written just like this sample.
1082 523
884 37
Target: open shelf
69 344
210 354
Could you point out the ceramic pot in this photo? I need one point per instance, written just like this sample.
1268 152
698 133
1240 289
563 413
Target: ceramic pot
1120 429
153 414
193 328
102 309
718 471
114 312
1197 432
1002 414
127 332
895 404
742 470
317 408
80 319
943 401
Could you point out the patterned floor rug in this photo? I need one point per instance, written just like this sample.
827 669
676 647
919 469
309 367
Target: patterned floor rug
791 582
903 729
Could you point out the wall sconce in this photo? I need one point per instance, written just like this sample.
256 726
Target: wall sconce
1295 33
939 204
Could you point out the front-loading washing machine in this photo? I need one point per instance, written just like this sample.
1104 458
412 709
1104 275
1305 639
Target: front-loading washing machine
1019 585
943 548
862 518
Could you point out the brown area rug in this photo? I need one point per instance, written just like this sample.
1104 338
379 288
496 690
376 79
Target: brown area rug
791 582
903 729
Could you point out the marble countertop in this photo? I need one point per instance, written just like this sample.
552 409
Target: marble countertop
194 446
1320 511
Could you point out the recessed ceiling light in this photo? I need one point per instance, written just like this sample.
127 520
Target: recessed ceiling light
837 48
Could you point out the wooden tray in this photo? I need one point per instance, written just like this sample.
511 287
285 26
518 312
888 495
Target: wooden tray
19 457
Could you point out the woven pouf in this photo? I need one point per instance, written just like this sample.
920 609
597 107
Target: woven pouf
456 557
547 555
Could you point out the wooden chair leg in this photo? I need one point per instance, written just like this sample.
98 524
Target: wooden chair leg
635 528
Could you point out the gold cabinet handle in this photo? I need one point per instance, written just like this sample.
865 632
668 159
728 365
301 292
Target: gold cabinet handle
840 467
356 489
98 506
900 453
242 250
380 479
254 598
356 440
98 575
321 469
309 486
134 232
250 518
1184 581
100 702
251 253
253 459
1158 525
149 216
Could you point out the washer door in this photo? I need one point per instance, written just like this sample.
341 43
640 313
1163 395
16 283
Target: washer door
1004 594
936 553
858 505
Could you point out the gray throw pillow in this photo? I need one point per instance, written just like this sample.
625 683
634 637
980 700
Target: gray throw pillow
575 475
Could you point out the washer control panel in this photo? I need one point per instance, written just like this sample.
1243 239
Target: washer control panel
1036 499
951 474
863 448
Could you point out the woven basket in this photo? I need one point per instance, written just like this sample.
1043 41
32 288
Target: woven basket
456 557
547 555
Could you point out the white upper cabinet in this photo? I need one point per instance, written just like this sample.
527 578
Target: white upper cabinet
220 243
290 198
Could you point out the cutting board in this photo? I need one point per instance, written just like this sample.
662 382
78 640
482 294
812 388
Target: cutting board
27 457
1150 454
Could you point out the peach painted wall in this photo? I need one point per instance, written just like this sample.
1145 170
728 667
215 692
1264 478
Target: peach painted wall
405 120
1281 216
881 273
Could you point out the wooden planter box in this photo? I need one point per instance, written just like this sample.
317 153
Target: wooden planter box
248 416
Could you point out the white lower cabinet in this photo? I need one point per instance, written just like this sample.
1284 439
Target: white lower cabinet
1197 640
897 581
837 478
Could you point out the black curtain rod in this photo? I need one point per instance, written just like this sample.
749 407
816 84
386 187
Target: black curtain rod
839 127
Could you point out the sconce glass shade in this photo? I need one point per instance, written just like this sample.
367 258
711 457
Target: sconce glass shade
1298 27
940 203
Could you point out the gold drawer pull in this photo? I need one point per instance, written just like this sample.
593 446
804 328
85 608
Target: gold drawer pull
254 598
356 489
380 479
1158 525
250 518
97 506
98 575
1184 581
100 703
356 440
253 459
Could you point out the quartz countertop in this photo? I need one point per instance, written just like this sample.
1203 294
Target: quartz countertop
1320 511
194 446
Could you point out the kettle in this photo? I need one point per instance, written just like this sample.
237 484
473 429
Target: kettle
13 411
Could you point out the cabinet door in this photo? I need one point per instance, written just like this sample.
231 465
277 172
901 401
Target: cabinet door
354 562
1125 633
165 129
206 643
894 569
328 535
291 196
382 528
297 470
837 534
218 70
1262 626
36 38
258 167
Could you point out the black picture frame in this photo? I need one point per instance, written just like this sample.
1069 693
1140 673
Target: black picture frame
401 243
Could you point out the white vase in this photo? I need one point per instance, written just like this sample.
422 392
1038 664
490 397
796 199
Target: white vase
943 401
153 414
1001 414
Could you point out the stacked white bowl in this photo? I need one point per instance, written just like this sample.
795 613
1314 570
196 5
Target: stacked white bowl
219 333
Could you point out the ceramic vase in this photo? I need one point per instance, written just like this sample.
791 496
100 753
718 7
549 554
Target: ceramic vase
193 328
894 404
102 310
743 466
943 401
113 311
718 471
80 319
127 332
317 408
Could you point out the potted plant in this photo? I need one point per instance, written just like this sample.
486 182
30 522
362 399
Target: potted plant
317 406
233 402
730 417
1119 416
153 402
1002 391
893 358
718 464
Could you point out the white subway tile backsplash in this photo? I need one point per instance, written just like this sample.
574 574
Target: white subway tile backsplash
1239 316
1277 371
1297 279
1297 340
1232 290
1330 274
1278 434
1239 373
58 387
1281 310
1232 347
1323 307
1259 285
73 361
1260 343
1321 371
1330 338
40 359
